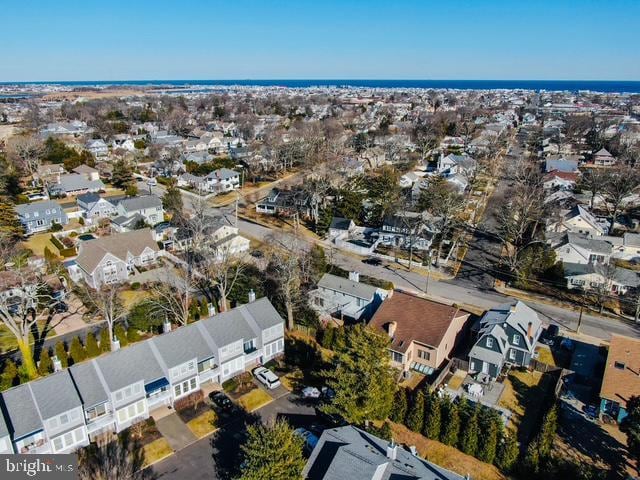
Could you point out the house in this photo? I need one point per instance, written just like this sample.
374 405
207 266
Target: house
112 259
97 147
226 241
452 164
218 181
620 381
88 172
507 334
147 207
340 297
561 164
578 220
603 158
94 206
626 247
404 230
340 227
74 184
121 388
74 127
557 180
350 453
423 333
579 248
41 216
615 280
49 173
285 202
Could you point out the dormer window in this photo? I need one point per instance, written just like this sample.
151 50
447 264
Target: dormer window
619 365
516 339
489 342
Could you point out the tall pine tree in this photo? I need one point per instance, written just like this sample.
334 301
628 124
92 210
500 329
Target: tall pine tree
61 353
105 343
361 377
490 426
399 411
433 418
450 423
92 346
415 417
470 430
45 365
77 351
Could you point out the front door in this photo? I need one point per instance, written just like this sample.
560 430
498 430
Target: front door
485 367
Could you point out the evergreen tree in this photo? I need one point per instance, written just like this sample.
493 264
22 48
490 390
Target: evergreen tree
131 190
508 452
204 308
105 343
132 335
194 310
317 262
9 377
45 366
470 430
92 346
142 317
433 418
10 226
121 335
450 423
361 377
61 353
77 351
399 411
327 337
415 417
490 426
273 452
172 201
122 174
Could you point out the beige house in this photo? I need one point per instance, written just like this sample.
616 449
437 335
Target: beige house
423 333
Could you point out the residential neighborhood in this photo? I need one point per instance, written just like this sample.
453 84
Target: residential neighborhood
322 279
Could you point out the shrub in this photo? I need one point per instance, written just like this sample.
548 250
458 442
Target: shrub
77 351
121 335
55 227
93 350
61 353
133 335
230 385
141 317
105 344
135 286
45 366
189 401
81 220
9 377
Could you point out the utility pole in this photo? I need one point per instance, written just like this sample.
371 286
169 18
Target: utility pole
580 319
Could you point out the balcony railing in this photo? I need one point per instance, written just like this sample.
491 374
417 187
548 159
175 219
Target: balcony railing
41 446
157 398
100 423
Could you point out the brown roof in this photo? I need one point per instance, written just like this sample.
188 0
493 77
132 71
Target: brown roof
417 319
622 382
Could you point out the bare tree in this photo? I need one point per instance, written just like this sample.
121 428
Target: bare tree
31 299
594 180
106 301
222 268
173 293
621 183
26 151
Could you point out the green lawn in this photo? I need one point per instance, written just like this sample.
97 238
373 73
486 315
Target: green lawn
156 450
255 399
37 243
204 424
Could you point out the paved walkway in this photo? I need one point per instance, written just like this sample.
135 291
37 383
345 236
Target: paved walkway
175 431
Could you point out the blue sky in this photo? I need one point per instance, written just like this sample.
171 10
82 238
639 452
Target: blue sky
238 39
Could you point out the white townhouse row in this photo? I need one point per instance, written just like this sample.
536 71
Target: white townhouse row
68 409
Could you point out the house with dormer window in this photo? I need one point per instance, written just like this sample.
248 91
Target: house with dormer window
506 335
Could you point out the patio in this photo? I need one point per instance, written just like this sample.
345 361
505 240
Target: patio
487 394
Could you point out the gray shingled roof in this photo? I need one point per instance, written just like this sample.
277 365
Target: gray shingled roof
22 412
138 203
182 345
88 384
55 394
351 453
340 284
263 313
39 207
129 365
228 327
119 244
590 244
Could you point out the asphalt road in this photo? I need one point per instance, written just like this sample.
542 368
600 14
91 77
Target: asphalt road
200 460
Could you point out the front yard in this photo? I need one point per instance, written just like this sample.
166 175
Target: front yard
255 399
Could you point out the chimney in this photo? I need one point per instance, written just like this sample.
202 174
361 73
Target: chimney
166 326
57 364
392 450
212 310
392 329
512 308
354 276
115 345
252 296
413 450
530 330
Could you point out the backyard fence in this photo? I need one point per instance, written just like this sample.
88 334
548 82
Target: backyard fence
539 366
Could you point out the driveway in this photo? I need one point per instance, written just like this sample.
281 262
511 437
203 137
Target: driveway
199 460
175 431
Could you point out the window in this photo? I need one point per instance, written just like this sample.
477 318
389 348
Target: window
396 357
516 339
512 354
249 346
619 365
185 387
97 411
423 354
489 342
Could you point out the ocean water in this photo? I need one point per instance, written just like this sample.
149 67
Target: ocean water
549 85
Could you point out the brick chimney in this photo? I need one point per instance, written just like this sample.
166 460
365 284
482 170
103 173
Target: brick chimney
530 330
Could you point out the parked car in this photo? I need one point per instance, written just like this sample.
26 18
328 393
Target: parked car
310 393
266 377
221 401
550 334
310 440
